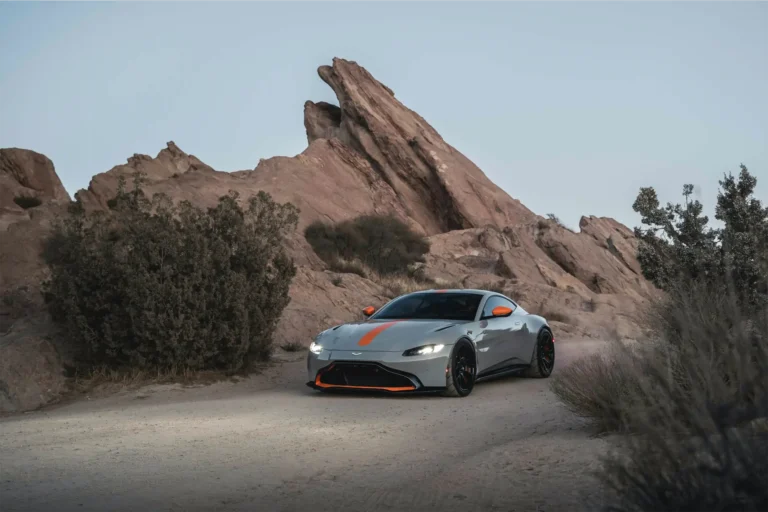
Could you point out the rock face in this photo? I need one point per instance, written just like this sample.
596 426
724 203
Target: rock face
368 155
31 370
438 186
27 180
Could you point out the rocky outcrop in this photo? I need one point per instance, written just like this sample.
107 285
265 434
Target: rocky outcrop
31 369
171 162
28 180
551 271
438 186
369 154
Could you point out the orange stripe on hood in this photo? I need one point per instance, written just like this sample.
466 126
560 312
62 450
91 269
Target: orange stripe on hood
370 335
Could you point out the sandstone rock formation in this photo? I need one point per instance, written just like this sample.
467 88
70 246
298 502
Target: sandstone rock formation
27 180
31 370
370 154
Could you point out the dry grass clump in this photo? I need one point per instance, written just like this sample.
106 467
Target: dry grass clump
695 403
292 346
599 387
701 440
104 377
410 280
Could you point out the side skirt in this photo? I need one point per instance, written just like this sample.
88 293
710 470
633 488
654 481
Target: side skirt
502 372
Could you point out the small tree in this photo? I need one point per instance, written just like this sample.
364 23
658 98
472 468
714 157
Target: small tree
745 237
679 246
151 284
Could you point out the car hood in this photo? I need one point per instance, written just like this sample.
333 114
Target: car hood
388 335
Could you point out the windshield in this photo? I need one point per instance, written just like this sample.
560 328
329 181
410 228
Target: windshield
432 306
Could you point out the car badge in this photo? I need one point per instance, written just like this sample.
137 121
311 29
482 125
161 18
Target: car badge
356 353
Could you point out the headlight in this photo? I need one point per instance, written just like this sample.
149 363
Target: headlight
422 351
315 348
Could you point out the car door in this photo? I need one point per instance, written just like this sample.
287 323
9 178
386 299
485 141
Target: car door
496 343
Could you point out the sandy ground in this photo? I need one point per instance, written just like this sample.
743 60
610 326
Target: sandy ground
271 443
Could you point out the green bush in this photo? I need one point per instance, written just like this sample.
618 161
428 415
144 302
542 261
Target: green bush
151 284
382 243
679 246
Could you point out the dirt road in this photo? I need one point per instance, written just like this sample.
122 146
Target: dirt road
270 443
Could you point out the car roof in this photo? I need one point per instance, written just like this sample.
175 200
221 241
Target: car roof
453 290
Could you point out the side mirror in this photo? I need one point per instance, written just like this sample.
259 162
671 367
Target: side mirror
501 311
369 311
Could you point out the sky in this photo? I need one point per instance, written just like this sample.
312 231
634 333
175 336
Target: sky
569 107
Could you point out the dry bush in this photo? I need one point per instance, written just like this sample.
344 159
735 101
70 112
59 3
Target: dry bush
412 279
292 346
400 285
697 447
348 267
599 387
497 287
380 242
690 400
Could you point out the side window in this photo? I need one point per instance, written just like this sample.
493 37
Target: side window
493 302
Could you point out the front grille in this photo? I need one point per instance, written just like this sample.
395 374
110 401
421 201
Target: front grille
364 375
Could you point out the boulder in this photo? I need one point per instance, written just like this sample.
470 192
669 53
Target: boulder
31 368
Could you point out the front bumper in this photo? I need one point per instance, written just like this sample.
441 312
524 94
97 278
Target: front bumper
389 372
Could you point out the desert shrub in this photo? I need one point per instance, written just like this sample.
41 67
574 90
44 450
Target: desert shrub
554 218
699 413
27 201
693 396
292 346
396 285
348 267
151 284
497 287
337 281
599 388
382 243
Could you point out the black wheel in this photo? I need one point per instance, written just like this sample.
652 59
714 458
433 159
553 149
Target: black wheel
461 371
543 358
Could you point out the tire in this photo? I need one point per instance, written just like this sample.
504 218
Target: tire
461 371
543 357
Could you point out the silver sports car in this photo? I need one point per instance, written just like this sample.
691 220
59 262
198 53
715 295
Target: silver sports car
437 340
